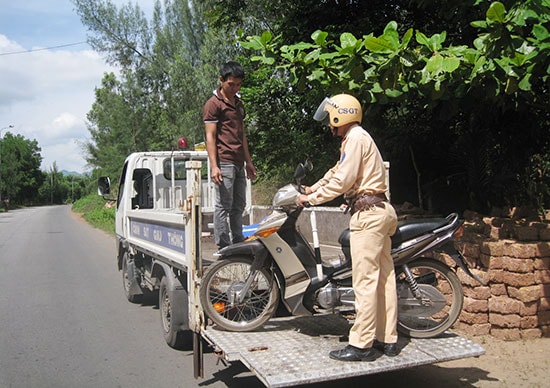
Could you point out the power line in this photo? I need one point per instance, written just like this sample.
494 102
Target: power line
42 49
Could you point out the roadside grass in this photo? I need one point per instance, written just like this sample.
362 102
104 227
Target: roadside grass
97 212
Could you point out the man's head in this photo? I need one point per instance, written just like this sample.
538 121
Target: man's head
231 69
231 78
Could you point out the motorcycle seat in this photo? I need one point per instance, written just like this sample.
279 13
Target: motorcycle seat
406 230
409 229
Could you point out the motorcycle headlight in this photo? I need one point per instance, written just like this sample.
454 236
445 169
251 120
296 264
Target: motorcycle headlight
285 196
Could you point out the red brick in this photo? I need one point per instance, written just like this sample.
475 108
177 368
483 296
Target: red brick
542 249
542 276
506 334
531 334
498 289
505 321
493 248
472 319
530 322
475 329
504 305
544 304
471 282
475 305
526 294
511 278
481 292
528 308
517 265
484 260
521 251
541 263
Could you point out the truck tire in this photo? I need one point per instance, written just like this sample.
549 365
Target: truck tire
174 337
129 280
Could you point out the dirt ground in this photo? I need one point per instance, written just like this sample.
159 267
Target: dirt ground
523 363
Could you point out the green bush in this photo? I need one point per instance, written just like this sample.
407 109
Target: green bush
97 212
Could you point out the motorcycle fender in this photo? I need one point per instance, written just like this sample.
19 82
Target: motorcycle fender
245 248
461 262
252 248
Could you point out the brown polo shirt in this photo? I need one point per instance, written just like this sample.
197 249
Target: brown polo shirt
230 127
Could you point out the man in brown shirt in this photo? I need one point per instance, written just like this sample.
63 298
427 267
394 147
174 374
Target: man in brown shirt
360 175
227 148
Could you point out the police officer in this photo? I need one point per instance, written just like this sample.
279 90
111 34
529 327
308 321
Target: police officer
360 176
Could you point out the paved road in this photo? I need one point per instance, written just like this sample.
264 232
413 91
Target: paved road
64 320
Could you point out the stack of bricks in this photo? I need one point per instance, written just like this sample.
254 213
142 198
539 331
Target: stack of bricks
512 258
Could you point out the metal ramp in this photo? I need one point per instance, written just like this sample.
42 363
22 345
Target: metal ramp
294 350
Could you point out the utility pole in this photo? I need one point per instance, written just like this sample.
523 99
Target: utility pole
9 126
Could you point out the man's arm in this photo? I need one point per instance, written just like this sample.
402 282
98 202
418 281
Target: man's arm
212 149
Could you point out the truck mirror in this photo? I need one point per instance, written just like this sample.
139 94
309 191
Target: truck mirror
103 186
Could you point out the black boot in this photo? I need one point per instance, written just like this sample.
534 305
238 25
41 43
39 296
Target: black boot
389 349
352 353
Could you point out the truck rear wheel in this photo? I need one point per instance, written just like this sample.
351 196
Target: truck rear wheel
175 338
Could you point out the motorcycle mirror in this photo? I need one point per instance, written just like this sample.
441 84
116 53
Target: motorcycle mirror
300 172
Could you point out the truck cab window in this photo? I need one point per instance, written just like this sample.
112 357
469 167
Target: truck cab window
143 189
180 173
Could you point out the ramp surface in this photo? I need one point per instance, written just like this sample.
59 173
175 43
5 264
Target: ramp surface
294 350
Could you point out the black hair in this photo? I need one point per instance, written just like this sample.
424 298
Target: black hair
232 69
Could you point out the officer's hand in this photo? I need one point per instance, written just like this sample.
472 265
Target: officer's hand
302 201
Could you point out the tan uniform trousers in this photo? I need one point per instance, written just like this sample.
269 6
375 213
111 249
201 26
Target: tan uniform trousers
373 276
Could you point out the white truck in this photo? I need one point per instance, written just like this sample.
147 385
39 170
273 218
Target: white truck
161 200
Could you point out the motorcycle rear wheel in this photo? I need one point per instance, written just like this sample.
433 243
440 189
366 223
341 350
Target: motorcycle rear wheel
438 279
219 286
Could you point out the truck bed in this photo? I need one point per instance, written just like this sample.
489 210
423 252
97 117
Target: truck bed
294 350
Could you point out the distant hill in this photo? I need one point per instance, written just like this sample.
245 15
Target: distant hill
69 173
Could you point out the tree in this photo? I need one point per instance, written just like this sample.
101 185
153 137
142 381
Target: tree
461 109
163 83
445 107
20 164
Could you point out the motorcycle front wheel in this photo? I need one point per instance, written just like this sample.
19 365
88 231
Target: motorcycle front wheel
220 290
441 302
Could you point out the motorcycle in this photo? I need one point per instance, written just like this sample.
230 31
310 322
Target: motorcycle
243 288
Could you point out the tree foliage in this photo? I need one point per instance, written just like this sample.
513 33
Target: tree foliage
20 163
164 78
464 109
460 113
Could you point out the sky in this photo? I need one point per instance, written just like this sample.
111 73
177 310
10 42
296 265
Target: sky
47 90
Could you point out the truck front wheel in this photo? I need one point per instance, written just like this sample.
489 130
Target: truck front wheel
174 337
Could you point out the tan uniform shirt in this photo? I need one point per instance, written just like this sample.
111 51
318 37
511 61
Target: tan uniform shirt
360 170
